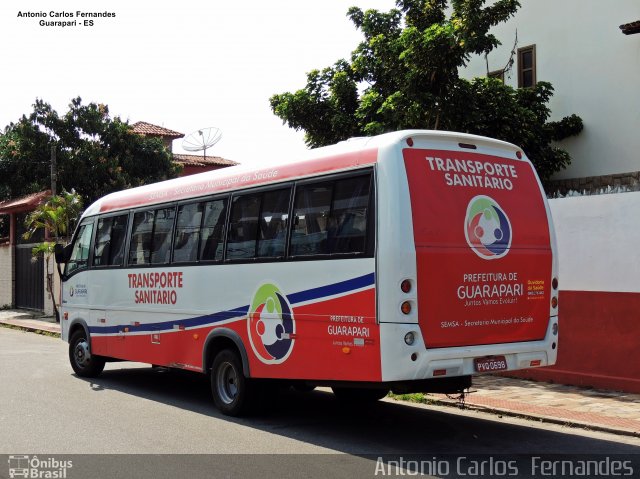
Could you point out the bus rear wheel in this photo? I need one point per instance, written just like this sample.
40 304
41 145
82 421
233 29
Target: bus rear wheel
355 395
84 363
232 391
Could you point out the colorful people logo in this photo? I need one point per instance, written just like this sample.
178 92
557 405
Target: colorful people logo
487 228
271 325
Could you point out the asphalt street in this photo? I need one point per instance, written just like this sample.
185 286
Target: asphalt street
134 409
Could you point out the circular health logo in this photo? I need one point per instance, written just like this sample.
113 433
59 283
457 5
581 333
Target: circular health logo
487 228
271 325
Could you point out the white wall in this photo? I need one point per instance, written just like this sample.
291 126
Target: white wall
598 242
594 69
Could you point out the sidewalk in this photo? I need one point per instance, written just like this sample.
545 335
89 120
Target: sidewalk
29 321
593 409
598 410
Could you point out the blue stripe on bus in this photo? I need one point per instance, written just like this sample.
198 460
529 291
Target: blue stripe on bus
302 296
171 324
332 289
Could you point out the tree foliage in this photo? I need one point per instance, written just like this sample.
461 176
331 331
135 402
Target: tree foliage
56 217
404 74
96 154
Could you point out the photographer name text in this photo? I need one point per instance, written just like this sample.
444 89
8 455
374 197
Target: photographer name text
66 19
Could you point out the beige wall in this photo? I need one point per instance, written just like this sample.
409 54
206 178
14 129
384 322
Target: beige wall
48 307
6 275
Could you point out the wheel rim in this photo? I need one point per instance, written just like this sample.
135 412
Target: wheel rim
227 383
81 353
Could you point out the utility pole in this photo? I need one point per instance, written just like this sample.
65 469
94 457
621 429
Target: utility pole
54 171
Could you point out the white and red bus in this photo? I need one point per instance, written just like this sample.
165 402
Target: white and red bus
409 262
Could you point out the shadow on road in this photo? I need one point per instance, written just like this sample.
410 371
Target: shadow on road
380 428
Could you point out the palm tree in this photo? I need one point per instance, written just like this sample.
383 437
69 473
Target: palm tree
55 217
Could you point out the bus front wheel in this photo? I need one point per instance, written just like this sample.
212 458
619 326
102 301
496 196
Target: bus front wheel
232 392
82 361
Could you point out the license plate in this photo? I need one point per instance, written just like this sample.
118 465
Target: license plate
491 364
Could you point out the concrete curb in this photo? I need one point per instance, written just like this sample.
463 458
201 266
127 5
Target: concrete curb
48 329
537 417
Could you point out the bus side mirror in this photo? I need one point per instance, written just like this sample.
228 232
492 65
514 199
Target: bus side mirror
61 253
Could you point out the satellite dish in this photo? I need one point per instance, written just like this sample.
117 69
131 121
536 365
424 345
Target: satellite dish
202 139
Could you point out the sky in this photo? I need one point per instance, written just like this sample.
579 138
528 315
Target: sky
184 65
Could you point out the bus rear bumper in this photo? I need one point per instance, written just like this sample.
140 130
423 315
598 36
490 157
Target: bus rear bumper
402 362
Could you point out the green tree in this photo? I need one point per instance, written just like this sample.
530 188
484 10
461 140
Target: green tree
96 154
56 217
404 74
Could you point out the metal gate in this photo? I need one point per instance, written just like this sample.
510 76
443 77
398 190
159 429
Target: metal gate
29 279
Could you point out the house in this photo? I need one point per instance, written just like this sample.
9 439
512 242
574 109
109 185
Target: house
589 51
191 164
22 277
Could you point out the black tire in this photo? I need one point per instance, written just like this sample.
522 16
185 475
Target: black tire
357 395
84 363
232 393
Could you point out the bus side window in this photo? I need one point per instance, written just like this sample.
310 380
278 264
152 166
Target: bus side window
243 227
110 240
162 234
118 240
103 241
188 232
80 251
349 215
140 244
212 241
311 219
151 236
273 223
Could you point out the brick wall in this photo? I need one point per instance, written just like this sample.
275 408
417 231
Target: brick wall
594 185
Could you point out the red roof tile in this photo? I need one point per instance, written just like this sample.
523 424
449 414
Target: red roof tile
23 203
630 28
144 128
199 160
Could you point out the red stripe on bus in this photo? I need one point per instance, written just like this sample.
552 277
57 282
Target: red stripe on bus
317 353
223 180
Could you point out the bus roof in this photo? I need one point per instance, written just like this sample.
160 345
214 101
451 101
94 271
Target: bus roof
343 156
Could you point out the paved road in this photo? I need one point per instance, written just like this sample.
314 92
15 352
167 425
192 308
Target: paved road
131 408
